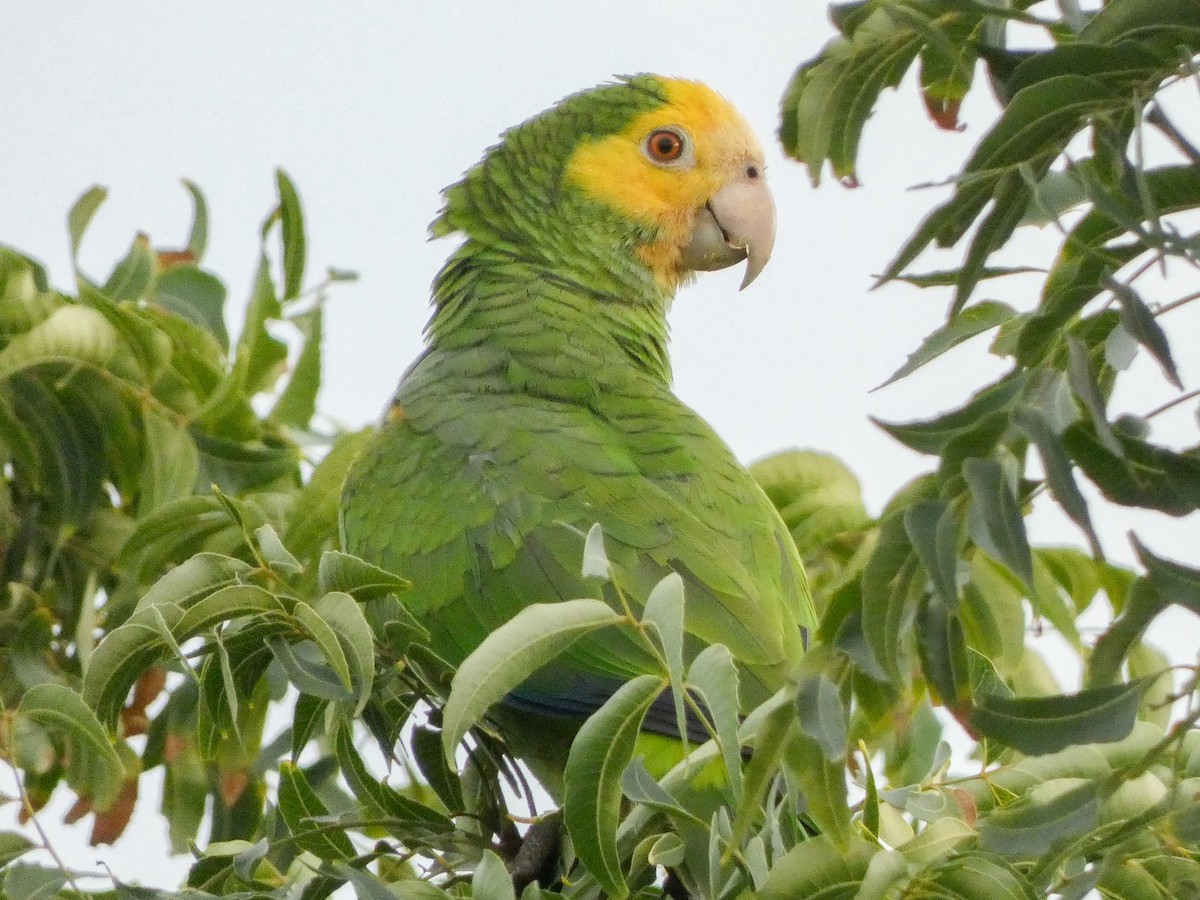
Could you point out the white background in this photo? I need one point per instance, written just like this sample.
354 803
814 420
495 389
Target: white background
372 108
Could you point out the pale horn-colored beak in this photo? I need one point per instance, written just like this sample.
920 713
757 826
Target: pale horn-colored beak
737 223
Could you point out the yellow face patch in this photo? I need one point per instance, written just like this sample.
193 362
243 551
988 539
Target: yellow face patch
616 171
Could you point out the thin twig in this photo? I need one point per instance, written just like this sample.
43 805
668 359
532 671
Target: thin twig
1175 304
1182 398
32 813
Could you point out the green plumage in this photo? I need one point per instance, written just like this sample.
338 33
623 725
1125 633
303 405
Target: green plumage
543 405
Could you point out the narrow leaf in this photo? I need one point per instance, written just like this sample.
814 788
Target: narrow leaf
96 771
931 527
713 675
343 615
342 572
1037 725
510 654
595 559
1083 382
974 320
294 242
997 507
197 241
1059 475
1055 810
821 715
80 217
298 806
592 800
664 613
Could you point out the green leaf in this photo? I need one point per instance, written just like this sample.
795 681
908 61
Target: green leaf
1163 25
193 579
33 882
1003 529
640 787
981 317
259 356
225 603
1055 810
298 401
664 614
274 553
1059 476
123 655
291 218
343 615
298 806
595 559
339 571
427 753
1037 725
829 98
171 464
942 648
13 846
889 603
309 714
325 637
511 653
491 880
592 799
931 526
95 769
821 715
72 334
713 676
238 467
1033 130
380 798
769 745
195 296
1175 582
933 435
312 522
80 217
197 241
975 875
307 674
1142 474
133 277
823 782
668 850
940 838
1087 389
1140 322
818 868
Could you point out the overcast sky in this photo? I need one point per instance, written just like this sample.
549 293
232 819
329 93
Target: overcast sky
372 108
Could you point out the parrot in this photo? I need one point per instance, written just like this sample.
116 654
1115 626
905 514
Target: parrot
542 405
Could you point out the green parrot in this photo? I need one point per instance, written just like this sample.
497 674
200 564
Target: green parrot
542 404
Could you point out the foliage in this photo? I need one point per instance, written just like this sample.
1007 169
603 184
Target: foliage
171 567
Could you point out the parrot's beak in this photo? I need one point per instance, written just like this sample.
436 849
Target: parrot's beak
737 223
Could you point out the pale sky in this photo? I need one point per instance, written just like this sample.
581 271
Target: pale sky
372 108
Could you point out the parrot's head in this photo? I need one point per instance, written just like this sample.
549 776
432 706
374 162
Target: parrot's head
653 178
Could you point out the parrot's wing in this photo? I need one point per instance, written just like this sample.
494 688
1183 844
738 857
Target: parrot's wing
483 500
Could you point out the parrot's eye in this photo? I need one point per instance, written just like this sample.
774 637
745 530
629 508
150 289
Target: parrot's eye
667 146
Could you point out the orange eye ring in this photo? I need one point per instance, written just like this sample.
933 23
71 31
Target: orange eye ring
664 145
